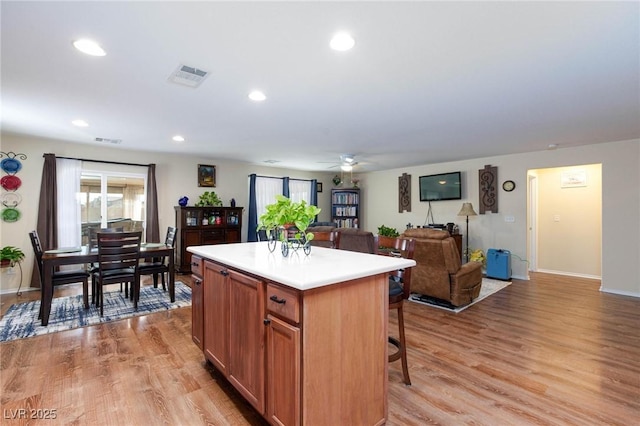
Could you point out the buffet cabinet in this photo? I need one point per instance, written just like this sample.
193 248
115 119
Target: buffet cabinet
204 225
293 353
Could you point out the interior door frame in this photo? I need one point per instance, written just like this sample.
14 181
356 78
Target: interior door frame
532 219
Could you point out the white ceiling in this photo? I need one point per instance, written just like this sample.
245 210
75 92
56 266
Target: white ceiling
427 82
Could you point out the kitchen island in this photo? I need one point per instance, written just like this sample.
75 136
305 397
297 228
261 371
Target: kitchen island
302 338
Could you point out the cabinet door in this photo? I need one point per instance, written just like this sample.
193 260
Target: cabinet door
216 315
190 237
233 235
283 372
196 311
246 337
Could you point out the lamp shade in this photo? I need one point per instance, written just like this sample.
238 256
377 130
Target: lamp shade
467 210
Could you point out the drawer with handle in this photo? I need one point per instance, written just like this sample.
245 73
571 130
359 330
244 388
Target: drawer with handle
283 302
196 265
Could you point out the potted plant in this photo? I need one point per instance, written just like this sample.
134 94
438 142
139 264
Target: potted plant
209 199
388 232
10 255
284 213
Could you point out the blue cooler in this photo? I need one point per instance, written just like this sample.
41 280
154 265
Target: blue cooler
499 264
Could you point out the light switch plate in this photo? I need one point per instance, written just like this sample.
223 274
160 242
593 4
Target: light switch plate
509 219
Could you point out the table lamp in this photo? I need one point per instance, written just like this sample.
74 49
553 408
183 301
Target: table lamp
467 210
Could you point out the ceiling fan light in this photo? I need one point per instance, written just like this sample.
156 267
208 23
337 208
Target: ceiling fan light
346 167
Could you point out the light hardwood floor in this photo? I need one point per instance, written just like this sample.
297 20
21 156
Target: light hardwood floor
550 351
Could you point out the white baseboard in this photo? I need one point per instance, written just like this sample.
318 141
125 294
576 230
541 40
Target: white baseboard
619 292
570 274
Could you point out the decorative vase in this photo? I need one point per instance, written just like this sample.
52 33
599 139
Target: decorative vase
183 201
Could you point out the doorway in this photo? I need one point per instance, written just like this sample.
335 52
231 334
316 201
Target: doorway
564 220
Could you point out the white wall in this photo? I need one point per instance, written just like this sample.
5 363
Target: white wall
176 175
620 205
570 222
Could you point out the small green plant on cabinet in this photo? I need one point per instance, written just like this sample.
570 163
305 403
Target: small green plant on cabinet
387 232
285 212
209 198
11 255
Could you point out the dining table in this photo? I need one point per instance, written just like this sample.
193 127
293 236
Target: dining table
84 255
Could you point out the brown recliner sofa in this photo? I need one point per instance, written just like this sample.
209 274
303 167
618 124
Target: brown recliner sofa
439 272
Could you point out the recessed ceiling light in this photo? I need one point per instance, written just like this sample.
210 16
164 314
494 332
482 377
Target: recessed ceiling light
178 138
552 146
257 96
80 123
342 41
89 47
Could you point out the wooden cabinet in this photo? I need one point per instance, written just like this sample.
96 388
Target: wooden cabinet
216 315
294 353
283 356
234 329
202 226
458 239
283 366
197 302
345 207
246 337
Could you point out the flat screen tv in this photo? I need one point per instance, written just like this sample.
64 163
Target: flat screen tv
443 186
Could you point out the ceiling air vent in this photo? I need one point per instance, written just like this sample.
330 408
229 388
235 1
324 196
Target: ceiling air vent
107 140
188 76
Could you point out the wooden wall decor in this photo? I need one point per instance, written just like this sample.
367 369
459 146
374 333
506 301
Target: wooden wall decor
404 193
488 181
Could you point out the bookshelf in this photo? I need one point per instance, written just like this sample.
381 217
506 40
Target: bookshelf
345 207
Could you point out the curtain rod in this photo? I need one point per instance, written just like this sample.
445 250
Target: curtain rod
282 177
106 162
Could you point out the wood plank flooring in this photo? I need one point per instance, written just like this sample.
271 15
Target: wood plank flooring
550 351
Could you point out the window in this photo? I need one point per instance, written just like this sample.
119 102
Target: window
112 200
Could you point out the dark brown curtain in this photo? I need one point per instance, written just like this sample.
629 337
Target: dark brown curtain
47 211
153 227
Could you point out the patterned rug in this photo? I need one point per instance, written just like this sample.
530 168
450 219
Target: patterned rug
489 287
21 319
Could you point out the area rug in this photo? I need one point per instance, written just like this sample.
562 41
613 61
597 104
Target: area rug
489 287
21 319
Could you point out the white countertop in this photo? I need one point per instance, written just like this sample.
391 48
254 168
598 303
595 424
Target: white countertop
324 266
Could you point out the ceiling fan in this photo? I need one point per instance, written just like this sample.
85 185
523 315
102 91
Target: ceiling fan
346 163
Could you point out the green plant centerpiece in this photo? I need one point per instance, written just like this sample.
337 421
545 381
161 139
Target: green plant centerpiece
385 231
209 198
10 255
288 221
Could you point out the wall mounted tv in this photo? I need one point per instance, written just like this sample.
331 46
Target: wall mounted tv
443 186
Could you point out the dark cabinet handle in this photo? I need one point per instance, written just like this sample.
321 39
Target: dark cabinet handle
280 301
198 282
224 273
266 321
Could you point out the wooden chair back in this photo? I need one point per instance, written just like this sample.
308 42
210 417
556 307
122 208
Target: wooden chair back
118 251
324 239
400 247
37 249
93 235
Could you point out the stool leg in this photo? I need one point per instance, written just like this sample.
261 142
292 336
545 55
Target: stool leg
403 346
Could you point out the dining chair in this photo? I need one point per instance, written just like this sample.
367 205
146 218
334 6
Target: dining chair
324 239
93 268
399 290
118 259
158 265
59 277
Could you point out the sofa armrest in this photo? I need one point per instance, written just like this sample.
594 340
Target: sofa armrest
466 283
